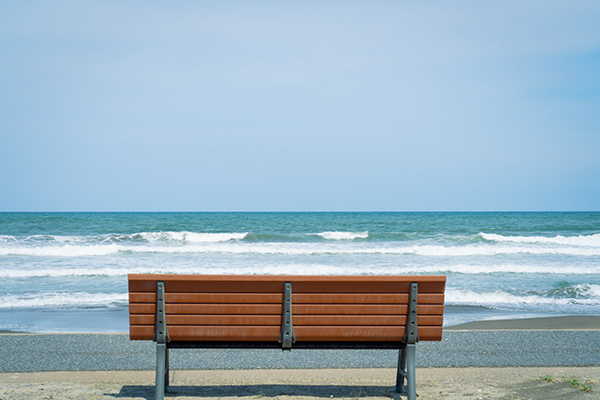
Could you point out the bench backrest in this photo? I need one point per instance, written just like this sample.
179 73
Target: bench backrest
249 307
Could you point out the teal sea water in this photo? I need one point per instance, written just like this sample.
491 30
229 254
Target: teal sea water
67 272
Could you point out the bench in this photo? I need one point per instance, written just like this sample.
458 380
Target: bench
287 312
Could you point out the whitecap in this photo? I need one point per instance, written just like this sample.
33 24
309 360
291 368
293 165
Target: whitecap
62 251
337 235
190 237
63 299
581 240
501 298
222 245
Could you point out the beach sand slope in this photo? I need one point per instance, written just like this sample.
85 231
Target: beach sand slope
310 384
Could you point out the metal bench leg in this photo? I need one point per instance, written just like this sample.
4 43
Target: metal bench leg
406 358
167 368
161 336
161 354
410 372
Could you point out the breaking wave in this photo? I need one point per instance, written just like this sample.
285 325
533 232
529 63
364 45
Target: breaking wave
575 298
63 299
70 250
343 235
302 268
582 240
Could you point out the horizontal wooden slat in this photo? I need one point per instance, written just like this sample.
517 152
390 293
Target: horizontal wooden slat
271 334
259 309
328 320
363 333
382 286
195 286
225 298
147 319
277 298
362 309
276 309
349 320
363 298
207 333
274 283
430 298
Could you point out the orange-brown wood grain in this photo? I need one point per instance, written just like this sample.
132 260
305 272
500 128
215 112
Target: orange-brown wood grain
363 298
277 298
363 309
259 309
217 333
249 307
148 319
223 298
274 283
328 320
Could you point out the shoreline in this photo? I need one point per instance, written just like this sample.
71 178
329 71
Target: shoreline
580 322
560 323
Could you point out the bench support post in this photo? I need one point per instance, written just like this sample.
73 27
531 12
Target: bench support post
406 356
161 337
287 336
161 370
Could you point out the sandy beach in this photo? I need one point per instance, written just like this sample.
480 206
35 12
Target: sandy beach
478 381
432 383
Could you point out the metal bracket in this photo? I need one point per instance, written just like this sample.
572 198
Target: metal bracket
287 336
411 334
161 336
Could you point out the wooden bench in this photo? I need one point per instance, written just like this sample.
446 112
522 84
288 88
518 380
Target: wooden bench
287 312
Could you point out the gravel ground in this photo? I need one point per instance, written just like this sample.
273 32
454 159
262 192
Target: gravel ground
483 365
107 352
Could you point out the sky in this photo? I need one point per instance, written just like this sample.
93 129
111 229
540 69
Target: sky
300 106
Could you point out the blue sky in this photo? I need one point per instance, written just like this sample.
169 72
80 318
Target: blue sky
299 106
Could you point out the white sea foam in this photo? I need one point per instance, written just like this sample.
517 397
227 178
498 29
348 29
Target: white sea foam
182 237
62 251
293 249
594 290
487 250
302 268
113 249
266 268
7 239
63 272
582 240
500 298
343 235
63 299
190 237
474 269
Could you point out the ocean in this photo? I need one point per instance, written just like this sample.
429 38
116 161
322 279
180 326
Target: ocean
67 272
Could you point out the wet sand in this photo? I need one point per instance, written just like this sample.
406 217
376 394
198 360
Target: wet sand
569 322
